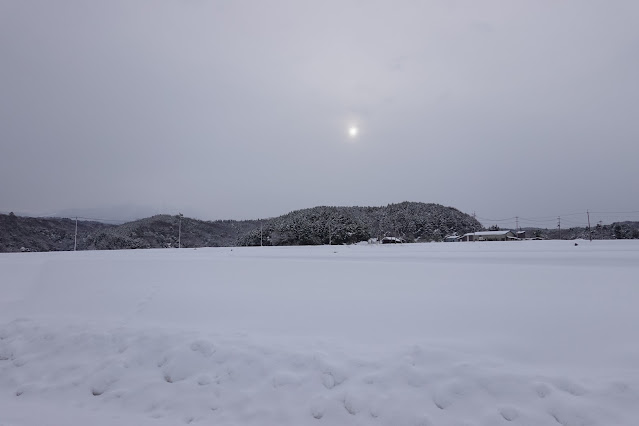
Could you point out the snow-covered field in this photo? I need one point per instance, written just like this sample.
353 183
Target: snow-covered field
522 333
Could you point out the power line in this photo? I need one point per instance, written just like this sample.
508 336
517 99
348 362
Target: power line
102 220
570 222
496 220
537 220
609 215
632 212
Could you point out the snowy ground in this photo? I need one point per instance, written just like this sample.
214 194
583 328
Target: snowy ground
517 333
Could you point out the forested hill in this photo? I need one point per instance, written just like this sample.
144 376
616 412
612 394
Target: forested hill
319 225
409 221
42 234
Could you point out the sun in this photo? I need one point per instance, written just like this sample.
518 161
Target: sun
353 131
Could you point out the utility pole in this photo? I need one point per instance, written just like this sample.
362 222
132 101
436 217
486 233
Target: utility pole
589 230
261 235
559 225
517 223
180 215
474 229
75 241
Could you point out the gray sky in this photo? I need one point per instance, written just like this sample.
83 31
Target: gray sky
241 109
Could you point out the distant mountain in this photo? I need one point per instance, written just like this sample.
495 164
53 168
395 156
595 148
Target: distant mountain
411 222
112 214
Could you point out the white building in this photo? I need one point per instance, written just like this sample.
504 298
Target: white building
489 236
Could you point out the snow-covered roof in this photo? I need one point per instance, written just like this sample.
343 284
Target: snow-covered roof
485 233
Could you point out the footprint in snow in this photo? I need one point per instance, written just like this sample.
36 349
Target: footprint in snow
203 347
571 388
542 390
352 405
317 413
442 401
509 413
330 379
318 406
445 397
204 380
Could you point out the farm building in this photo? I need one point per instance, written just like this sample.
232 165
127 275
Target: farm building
391 240
489 236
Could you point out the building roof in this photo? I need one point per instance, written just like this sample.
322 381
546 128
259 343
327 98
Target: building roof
392 239
485 233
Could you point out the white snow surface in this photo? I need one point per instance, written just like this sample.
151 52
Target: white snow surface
485 333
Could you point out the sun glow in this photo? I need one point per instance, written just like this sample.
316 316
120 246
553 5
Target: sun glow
353 131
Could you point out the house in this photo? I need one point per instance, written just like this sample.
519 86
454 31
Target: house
452 238
489 236
391 240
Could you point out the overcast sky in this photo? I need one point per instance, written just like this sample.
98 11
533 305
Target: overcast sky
241 109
